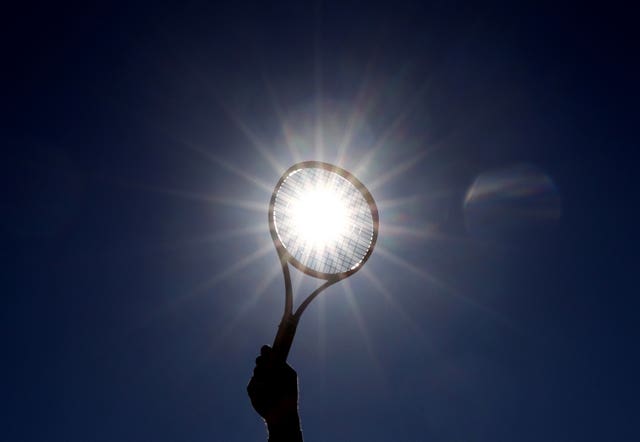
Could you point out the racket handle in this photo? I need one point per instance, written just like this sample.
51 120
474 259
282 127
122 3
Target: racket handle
284 337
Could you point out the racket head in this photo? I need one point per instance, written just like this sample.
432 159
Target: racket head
354 251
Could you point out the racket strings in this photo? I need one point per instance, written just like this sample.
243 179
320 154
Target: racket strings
348 245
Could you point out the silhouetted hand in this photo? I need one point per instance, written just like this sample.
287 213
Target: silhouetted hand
273 391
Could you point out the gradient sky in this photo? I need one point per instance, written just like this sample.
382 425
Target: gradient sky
140 145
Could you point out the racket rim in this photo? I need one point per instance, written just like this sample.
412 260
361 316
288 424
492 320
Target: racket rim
285 255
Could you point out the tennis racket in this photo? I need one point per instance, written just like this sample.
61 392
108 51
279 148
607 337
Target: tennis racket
324 222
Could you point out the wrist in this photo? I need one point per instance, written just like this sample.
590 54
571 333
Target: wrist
285 428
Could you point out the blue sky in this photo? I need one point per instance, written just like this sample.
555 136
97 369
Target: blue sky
140 146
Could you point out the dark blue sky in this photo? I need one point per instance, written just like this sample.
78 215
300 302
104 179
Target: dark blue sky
139 146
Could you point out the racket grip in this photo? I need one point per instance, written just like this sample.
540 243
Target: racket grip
284 338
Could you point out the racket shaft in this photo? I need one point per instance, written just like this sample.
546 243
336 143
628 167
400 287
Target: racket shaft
284 338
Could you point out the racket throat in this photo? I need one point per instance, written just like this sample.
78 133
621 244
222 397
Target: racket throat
284 338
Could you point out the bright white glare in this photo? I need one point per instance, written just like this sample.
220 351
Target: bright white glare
323 220
320 216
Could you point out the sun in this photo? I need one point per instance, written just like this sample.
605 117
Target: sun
319 216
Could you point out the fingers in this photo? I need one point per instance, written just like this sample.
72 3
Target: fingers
266 356
264 361
274 384
267 365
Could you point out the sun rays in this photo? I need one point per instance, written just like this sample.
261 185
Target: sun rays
322 131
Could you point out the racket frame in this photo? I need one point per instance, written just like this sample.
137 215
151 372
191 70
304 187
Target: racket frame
287 328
